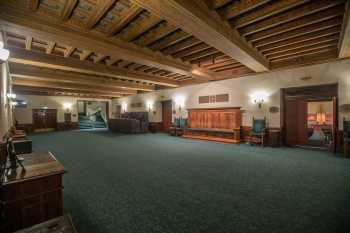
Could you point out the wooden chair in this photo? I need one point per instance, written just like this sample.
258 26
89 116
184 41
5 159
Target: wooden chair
258 132
346 136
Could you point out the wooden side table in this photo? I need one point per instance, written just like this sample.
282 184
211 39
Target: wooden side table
32 196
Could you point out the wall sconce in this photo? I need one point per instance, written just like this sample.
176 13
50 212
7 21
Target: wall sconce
150 107
67 106
124 107
4 53
180 102
11 95
259 98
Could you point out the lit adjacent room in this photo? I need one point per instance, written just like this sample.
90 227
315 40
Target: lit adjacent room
172 116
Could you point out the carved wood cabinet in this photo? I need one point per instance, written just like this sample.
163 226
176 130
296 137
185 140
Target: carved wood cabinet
33 196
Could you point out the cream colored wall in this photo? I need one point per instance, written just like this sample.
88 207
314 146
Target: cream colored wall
5 107
241 89
24 115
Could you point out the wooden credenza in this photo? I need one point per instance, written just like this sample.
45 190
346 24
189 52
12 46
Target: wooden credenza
33 196
214 124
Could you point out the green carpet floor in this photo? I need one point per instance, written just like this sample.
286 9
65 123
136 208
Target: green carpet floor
157 183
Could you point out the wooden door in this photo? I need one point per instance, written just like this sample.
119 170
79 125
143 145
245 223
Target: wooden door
166 115
296 121
335 125
44 118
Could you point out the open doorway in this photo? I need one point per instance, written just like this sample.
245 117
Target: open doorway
309 116
320 123
92 114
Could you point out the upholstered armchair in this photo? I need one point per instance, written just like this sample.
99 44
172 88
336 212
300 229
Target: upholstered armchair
178 126
258 132
346 136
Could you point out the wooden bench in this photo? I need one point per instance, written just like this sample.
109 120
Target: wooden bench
213 134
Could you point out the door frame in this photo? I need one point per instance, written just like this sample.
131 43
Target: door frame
311 93
165 102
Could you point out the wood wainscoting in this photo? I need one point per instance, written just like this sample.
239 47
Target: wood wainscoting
215 124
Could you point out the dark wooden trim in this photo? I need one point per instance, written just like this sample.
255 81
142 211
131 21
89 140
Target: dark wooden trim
224 108
310 93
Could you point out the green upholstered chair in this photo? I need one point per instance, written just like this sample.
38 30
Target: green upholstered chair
258 132
346 136
178 126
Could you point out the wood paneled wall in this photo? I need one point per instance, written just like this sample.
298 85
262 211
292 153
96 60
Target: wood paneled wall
214 118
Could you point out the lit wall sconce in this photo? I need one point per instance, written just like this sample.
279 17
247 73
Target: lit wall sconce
67 106
4 53
259 98
150 107
11 95
124 107
180 102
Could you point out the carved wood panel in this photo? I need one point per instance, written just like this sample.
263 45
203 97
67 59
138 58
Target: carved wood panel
219 118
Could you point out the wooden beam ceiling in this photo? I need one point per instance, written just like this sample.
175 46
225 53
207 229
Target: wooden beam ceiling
68 8
21 22
66 86
195 18
240 7
70 77
102 7
69 64
125 18
344 45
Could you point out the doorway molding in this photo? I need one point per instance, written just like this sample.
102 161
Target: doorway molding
310 93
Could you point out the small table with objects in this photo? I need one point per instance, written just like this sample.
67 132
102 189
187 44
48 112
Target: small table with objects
63 224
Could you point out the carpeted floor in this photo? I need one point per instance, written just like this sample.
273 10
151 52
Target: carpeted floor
157 183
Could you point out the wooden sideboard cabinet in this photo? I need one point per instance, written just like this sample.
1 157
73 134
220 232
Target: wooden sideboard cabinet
32 196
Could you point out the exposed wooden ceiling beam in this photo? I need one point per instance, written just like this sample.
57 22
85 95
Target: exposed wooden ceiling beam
69 50
70 77
344 45
265 11
84 55
200 54
305 49
69 64
68 8
299 39
126 16
28 42
99 58
300 31
239 7
73 87
299 23
195 17
102 7
293 14
169 40
30 90
139 27
21 22
302 44
33 5
305 53
159 32
191 41
19 83
191 50
50 47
